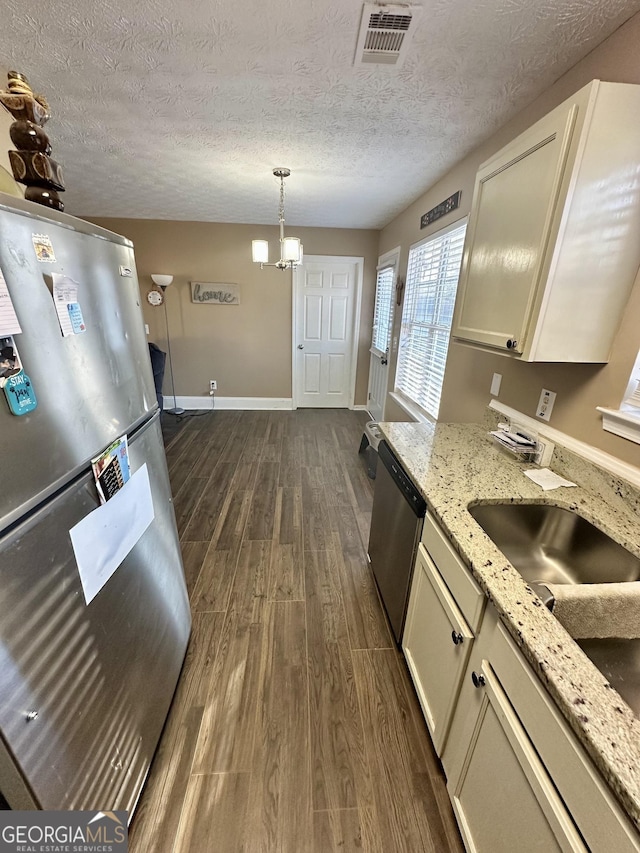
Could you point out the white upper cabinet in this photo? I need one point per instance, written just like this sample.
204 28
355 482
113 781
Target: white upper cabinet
552 247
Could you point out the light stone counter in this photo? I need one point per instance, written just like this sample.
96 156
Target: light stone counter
454 465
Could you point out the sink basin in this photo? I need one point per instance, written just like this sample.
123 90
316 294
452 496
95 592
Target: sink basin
619 662
550 544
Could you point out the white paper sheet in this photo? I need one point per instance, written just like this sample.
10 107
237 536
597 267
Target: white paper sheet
546 478
9 323
102 540
65 293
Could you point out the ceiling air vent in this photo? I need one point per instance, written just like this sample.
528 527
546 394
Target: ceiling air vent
385 34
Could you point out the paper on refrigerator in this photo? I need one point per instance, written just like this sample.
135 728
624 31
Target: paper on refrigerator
9 323
104 538
65 293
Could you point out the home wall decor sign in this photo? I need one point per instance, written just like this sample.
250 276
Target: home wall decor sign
215 293
440 210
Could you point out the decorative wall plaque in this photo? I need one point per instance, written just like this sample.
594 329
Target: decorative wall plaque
441 209
215 293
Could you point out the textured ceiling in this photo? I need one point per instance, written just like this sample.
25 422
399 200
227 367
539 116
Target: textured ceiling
180 110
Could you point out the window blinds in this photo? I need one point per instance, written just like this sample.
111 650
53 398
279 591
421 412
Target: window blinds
383 311
430 292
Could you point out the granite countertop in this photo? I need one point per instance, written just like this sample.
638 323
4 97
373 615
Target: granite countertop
454 465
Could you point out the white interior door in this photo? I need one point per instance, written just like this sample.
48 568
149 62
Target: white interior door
325 301
381 334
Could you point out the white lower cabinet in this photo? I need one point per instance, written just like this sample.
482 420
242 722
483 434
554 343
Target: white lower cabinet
518 778
437 642
445 610
503 798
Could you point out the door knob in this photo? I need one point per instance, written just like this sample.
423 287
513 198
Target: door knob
300 346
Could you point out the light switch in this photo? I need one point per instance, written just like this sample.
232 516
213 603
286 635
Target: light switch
495 384
146 328
545 404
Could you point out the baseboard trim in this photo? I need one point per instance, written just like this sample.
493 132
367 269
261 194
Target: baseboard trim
229 403
599 457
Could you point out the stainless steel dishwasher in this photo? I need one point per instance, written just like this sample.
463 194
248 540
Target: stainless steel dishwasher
396 525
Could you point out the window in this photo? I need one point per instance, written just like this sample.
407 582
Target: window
430 293
625 421
383 310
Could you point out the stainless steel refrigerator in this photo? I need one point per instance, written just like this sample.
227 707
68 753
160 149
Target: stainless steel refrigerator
84 687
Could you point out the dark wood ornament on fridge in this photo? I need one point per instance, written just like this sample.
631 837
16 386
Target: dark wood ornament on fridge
31 163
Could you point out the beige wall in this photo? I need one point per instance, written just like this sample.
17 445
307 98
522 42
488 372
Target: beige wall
5 139
246 348
580 388
5 122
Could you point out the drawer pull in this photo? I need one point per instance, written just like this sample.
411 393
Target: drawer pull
457 638
478 679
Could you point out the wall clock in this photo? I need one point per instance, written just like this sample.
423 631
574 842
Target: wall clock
155 297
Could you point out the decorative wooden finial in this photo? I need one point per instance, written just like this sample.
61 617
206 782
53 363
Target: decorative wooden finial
31 163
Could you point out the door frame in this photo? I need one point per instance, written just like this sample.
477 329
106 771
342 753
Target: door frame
357 308
390 258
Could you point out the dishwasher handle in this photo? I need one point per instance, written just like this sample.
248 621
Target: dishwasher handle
402 480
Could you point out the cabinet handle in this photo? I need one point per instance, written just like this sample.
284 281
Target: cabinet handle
511 343
457 638
478 679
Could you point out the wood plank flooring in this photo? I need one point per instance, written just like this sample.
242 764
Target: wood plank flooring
295 728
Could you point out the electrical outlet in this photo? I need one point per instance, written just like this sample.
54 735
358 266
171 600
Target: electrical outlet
213 386
495 384
545 404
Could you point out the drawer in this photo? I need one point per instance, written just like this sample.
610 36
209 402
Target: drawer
466 592
437 643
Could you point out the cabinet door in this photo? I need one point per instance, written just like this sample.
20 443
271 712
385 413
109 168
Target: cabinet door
515 198
502 795
437 643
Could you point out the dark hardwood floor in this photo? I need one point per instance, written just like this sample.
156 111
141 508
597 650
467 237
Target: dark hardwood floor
295 727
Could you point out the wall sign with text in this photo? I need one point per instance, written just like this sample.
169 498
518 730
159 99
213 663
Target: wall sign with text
446 206
214 293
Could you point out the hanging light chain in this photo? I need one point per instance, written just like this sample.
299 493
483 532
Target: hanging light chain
281 212
281 199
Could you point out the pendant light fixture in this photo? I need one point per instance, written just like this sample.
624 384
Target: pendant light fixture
290 247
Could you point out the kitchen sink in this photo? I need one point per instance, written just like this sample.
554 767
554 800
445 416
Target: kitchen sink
619 661
550 544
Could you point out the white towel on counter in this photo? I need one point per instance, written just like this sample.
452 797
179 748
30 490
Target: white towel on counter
590 610
546 478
